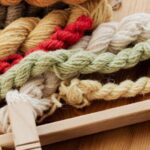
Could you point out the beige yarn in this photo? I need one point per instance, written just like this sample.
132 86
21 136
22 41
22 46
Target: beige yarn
26 33
28 37
80 93
77 93
45 28
99 10
16 33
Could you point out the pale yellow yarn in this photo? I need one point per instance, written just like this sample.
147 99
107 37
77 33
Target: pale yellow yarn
80 93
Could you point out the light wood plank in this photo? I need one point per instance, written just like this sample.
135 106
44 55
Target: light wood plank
23 126
87 124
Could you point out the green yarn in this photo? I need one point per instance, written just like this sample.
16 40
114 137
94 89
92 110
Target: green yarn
68 63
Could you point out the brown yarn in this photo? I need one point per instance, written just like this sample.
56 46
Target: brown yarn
9 14
3 12
45 3
14 12
14 34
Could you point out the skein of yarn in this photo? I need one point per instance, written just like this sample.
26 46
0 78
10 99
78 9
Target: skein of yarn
40 3
80 93
114 36
25 32
31 40
99 10
33 92
77 93
66 64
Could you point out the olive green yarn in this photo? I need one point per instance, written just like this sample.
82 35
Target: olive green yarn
68 63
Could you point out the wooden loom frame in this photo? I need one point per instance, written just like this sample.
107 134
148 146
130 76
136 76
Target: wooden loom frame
68 128
33 137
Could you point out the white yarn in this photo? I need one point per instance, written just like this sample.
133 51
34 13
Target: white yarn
32 92
115 36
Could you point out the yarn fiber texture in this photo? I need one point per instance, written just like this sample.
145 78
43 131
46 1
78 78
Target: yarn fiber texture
62 38
9 14
77 93
27 32
66 64
34 93
99 10
114 36
40 3
80 93
66 36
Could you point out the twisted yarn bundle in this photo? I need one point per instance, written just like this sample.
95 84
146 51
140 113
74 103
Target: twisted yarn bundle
27 32
80 93
40 3
66 64
34 93
114 36
99 10
77 93
61 39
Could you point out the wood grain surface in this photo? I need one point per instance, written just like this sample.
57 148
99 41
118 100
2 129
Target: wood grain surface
135 137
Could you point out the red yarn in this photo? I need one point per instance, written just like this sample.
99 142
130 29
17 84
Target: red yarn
63 38
9 61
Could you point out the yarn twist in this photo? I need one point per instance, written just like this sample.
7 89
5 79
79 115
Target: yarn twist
114 36
27 32
80 93
99 10
33 92
40 3
9 14
77 93
66 64
30 39
62 38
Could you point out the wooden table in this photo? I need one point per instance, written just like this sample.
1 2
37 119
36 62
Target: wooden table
135 137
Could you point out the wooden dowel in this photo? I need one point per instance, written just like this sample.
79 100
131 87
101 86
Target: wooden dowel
23 125
88 124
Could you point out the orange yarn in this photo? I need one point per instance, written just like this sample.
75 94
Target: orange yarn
10 2
40 3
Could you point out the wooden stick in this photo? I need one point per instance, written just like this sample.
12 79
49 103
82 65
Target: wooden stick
23 126
88 124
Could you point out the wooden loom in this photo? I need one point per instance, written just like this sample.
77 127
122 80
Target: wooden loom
33 137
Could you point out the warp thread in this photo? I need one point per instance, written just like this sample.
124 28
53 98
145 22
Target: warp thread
66 64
